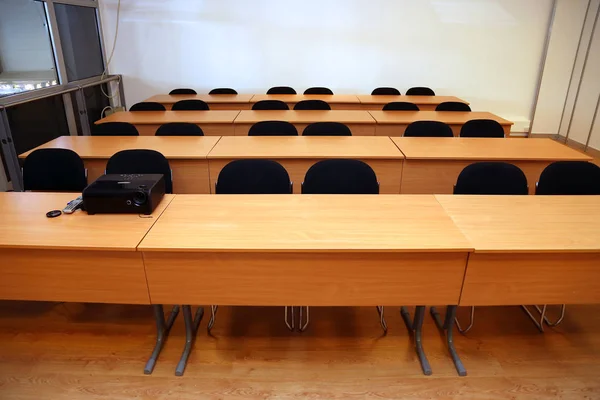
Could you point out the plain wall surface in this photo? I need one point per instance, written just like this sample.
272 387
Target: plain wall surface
487 52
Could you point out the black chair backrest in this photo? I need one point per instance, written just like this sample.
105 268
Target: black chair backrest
340 176
253 177
273 128
114 129
55 170
140 162
183 91
484 128
428 129
420 91
312 105
318 90
190 105
147 106
179 129
385 91
570 178
400 106
452 106
493 178
270 105
281 90
223 91
327 129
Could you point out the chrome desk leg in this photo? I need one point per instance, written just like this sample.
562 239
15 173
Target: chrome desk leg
415 328
213 316
289 322
471 322
303 325
162 331
191 327
382 322
448 328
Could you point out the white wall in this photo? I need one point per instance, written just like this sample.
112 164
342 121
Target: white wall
485 51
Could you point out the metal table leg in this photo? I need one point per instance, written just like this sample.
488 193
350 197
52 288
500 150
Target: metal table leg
448 328
191 327
415 328
162 331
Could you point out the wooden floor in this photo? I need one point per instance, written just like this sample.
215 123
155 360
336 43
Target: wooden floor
75 351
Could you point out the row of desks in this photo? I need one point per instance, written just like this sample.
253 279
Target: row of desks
402 165
315 250
361 123
336 101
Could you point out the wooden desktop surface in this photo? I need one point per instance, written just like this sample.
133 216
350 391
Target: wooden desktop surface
186 155
529 249
425 103
308 249
432 165
77 257
394 123
336 101
298 153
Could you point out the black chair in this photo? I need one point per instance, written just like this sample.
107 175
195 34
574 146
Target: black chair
114 129
190 105
183 91
569 178
482 128
312 105
491 178
281 90
223 91
340 176
420 91
452 106
141 162
428 129
253 177
273 128
179 129
400 106
270 105
147 106
54 170
327 129
318 90
385 91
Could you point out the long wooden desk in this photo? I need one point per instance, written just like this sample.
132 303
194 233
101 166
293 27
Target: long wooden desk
425 103
186 155
360 122
394 123
304 250
213 123
215 101
432 165
336 101
77 257
298 153
529 249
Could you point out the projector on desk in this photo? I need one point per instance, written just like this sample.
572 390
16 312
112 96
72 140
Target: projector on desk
124 193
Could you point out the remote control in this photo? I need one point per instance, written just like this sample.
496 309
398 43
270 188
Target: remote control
73 205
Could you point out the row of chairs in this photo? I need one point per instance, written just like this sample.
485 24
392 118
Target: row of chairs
474 128
200 105
384 91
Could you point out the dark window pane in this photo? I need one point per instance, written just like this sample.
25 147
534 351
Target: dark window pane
37 122
80 41
95 102
26 57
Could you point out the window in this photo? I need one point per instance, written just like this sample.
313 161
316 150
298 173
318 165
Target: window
80 41
26 57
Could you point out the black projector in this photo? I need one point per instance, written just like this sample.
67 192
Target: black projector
124 193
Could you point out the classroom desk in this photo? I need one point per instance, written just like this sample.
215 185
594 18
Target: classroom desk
394 123
360 122
432 165
298 153
186 155
213 123
425 103
529 249
77 257
309 250
335 101
215 101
